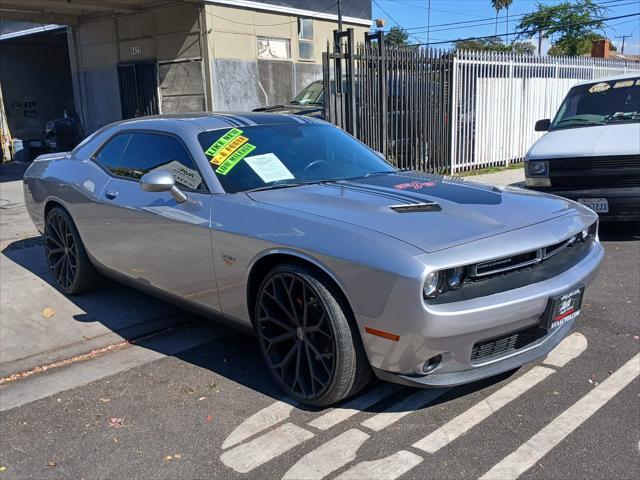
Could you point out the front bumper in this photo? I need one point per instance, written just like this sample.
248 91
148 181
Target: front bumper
624 203
452 330
503 364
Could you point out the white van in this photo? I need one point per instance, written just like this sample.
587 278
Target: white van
591 152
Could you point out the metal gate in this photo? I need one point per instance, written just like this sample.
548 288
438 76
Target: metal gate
497 98
138 89
395 99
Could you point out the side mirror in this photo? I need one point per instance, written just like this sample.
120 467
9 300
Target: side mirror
542 125
162 181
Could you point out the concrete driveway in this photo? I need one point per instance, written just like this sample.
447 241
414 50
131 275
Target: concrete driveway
40 325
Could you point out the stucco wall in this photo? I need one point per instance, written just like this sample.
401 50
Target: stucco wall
168 35
241 81
97 52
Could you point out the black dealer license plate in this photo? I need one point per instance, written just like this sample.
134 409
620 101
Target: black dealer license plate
562 308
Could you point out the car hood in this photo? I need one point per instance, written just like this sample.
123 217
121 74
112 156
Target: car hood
615 139
292 108
456 211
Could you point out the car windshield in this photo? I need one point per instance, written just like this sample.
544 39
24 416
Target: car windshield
312 94
285 155
602 103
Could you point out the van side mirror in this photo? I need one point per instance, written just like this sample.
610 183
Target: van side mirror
162 181
543 125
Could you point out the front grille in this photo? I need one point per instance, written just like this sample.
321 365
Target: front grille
505 344
595 172
553 249
521 261
508 263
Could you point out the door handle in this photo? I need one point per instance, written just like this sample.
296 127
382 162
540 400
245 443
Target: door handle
111 194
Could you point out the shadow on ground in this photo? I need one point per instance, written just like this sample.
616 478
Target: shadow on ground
233 354
619 232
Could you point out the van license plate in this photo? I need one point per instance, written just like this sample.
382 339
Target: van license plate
598 205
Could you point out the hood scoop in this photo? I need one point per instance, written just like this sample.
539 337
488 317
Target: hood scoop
417 207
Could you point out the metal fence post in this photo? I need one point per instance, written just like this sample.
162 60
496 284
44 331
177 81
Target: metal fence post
382 92
454 113
510 110
326 84
351 98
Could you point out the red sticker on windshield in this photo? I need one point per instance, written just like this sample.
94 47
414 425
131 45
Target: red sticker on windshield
414 185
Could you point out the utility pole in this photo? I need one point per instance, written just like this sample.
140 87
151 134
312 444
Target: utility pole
623 37
428 22
539 43
339 15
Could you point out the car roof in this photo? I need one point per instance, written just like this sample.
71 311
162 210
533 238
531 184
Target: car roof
610 78
217 120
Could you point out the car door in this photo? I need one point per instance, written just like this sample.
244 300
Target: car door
148 236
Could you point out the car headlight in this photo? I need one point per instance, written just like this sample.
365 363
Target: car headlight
431 287
538 168
455 278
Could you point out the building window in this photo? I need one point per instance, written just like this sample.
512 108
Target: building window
274 48
305 38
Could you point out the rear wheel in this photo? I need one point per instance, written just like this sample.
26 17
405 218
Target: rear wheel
66 256
311 348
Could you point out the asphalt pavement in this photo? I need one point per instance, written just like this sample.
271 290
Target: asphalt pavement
188 398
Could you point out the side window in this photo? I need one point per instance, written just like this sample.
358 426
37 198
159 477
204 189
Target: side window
149 151
109 155
305 38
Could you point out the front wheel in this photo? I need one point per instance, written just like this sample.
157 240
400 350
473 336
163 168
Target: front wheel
66 257
312 349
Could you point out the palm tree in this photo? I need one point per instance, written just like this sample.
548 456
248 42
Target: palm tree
499 5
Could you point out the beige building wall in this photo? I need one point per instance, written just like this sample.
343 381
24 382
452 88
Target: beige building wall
243 81
234 32
206 58
170 37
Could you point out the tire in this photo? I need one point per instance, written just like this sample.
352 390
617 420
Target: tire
67 258
317 358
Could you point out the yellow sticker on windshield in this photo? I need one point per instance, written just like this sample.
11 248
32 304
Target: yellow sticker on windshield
626 83
228 149
599 87
234 158
219 144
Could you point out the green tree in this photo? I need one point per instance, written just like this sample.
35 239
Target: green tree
495 44
499 5
523 48
397 36
572 25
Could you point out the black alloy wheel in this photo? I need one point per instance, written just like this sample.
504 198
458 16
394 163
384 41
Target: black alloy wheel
61 250
66 256
309 346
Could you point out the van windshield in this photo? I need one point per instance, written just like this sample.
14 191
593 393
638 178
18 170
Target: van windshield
602 103
312 94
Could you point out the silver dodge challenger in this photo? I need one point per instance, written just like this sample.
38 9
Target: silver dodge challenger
342 265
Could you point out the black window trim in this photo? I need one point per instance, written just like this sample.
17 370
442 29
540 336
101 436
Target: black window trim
93 157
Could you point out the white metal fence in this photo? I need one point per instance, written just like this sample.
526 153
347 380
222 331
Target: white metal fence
498 97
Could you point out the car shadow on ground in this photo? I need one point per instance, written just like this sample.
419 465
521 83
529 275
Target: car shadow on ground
232 354
619 232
